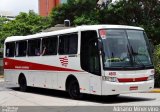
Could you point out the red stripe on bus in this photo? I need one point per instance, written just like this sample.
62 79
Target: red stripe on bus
132 79
24 65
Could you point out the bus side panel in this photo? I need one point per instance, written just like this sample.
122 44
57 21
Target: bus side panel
43 79
95 84
81 76
88 83
62 77
50 79
83 80
12 76
9 76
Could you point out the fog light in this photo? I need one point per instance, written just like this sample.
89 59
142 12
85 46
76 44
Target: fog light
113 79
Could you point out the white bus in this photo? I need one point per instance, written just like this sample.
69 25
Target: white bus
92 59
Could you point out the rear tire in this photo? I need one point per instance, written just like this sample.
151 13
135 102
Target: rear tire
23 84
74 90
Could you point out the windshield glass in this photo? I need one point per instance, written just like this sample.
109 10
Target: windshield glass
125 48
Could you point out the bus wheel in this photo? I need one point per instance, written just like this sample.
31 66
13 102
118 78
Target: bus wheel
74 90
22 83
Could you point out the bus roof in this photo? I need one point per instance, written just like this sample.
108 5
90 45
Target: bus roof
71 30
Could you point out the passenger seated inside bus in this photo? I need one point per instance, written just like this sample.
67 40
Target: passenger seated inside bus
43 50
37 52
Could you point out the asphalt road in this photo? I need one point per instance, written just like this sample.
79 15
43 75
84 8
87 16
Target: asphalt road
11 96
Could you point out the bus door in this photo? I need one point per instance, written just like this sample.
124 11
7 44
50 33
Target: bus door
90 60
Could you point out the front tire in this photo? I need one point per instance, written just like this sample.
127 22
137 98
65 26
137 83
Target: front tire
74 90
23 84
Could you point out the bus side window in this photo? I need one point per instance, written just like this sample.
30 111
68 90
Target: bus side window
21 48
34 47
10 49
90 59
68 44
49 46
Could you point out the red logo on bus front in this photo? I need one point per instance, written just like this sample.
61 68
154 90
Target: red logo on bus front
64 61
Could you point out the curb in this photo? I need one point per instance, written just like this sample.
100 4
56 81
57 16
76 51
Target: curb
155 91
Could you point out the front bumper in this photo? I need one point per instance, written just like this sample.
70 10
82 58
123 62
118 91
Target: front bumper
112 88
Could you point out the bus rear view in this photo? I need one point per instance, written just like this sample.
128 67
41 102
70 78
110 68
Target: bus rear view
126 61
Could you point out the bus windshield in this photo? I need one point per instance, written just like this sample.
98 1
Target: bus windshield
125 49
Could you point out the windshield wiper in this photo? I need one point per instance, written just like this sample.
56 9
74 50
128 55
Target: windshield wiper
130 55
137 58
139 62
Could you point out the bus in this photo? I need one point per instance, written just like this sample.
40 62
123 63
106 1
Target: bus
87 59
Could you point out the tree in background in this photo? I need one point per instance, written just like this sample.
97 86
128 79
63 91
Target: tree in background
143 13
3 20
76 11
24 24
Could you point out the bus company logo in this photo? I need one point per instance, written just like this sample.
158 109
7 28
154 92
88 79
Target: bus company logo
64 61
112 73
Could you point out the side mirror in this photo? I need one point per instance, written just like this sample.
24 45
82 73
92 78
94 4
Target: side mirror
100 44
151 45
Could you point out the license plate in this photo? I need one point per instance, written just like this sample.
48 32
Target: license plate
133 88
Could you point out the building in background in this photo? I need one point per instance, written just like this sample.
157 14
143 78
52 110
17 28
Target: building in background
45 6
7 14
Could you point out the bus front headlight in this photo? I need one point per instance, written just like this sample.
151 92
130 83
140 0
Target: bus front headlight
110 79
151 77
